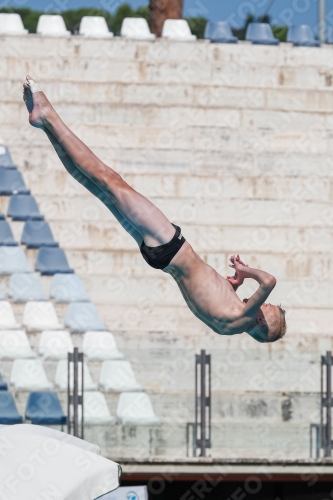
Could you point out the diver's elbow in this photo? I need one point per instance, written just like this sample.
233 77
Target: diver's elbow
269 282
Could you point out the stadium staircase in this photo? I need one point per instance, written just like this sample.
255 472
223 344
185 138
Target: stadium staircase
233 143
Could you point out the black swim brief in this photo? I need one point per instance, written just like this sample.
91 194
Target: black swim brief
161 256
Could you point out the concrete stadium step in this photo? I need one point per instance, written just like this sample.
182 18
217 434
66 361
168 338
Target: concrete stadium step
154 310
236 376
88 235
193 95
130 263
200 51
102 69
124 49
170 324
31 157
204 150
105 70
162 350
212 212
274 408
233 371
241 438
200 187
228 435
148 326
169 440
307 339
283 439
228 406
160 289
101 115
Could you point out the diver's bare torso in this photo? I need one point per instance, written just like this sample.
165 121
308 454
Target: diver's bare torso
209 296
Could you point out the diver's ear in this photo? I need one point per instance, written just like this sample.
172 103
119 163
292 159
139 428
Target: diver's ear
261 321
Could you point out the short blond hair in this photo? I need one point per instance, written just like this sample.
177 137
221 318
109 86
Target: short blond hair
281 329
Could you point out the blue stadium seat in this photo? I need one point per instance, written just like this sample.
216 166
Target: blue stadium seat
11 182
2 216
24 287
302 36
219 32
8 411
3 385
82 317
67 288
44 408
23 207
52 260
261 34
6 235
5 158
37 233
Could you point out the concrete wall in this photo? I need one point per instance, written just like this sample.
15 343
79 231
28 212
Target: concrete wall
234 143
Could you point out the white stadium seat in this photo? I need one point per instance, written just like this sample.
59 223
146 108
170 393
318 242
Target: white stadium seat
55 344
135 408
14 344
61 379
118 376
177 29
94 26
96 411
11 24
52 25
29 375
137 28
13 260
7 318
100 345
39 316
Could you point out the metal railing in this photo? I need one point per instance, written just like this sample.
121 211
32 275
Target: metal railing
75 388
201 428
317 447
323 430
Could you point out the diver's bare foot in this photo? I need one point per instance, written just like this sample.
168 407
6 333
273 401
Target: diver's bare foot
38 106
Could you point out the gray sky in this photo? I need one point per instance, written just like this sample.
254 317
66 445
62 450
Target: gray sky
282 11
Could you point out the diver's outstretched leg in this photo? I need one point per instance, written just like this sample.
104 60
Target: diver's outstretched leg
141 214
92 187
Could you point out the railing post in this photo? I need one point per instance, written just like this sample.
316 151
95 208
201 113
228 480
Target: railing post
69 402
329 404
322 21
75 391
203 403
323 436
196 407
202 406
324 428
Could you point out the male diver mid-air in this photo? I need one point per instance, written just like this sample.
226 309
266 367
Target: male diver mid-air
209 296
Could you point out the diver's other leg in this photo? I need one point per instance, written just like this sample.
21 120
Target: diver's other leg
143 215
92 187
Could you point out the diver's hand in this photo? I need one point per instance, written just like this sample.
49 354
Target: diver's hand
240 271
